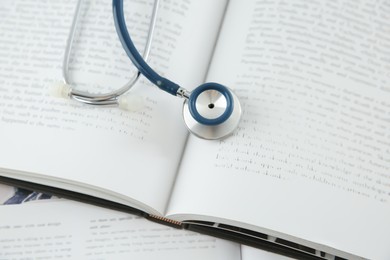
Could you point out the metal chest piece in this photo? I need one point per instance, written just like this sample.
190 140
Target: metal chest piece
211 104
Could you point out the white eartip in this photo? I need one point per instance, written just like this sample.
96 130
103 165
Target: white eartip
131 102
60 90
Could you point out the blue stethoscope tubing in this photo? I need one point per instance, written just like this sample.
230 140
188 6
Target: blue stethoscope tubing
167 85
132 52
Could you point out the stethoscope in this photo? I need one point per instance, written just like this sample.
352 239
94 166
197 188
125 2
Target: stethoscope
210 111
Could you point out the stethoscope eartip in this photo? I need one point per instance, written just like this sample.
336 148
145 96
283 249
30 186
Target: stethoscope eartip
131 103
60 90
212 111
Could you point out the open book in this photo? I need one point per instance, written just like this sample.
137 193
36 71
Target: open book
307 172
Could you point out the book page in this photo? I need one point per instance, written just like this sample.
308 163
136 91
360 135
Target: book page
45 230
310 161
92 149
250 253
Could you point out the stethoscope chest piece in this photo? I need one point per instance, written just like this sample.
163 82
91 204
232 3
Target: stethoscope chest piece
212 111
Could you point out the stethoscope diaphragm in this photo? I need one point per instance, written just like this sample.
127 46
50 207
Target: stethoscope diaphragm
218 105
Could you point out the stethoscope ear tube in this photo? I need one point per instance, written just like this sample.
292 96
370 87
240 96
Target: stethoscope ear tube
67 89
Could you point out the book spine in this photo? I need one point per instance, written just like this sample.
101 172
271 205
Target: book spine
165 221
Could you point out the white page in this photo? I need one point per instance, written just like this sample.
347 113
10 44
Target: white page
134 154
310 160
71 230
250 253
